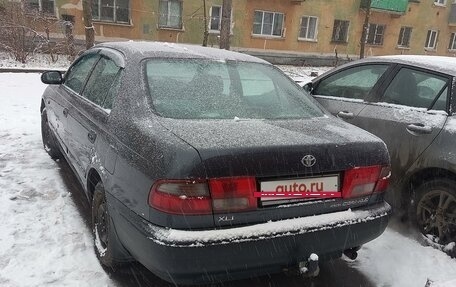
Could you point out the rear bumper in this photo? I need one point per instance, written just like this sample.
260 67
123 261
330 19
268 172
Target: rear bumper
212 255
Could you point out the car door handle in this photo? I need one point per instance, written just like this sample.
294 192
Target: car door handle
345 115
65 112
92 136
419 128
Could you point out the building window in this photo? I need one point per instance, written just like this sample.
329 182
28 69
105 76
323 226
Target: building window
216 18
268 23
215 23
404 37
171 14
40 6
440 2
452 45
111 10
340 31
431 39
375 34
308 28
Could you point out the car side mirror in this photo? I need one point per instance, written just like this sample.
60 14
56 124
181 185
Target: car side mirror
308 87
52 78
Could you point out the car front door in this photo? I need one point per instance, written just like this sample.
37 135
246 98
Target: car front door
409 113
345 92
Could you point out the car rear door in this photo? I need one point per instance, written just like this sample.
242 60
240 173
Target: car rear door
410 112
89 112
345 92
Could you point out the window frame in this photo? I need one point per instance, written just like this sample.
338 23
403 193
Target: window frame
68 72
274 14
114 82
373 91
219 19
340 21
306 38
400 67
212 31
440 3
27 7
400 40
98 18
180 26
376 34
428 40
452 44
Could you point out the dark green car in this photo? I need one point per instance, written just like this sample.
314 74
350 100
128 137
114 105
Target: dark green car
409 102
207 165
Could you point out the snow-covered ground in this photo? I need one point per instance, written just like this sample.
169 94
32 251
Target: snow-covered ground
45 242
43 239
35 61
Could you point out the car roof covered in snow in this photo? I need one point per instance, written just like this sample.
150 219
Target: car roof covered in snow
437 63
144 49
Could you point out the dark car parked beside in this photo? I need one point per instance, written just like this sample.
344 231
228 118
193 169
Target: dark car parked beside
209 165
409 102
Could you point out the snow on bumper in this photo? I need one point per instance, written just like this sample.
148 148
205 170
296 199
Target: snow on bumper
268 230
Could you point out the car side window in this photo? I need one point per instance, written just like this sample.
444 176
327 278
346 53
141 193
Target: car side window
112 93
417 89
100 84
76 77
355 83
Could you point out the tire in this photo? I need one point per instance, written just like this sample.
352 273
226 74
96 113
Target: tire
102 228
435 209
49 142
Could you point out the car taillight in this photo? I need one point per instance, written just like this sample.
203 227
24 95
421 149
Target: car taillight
383 181
233 194
193 197
362 181
181 197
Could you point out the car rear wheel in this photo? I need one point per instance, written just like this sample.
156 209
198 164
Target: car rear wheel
49 142
102 228
436 209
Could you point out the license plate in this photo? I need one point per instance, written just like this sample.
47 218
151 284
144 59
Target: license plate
312 187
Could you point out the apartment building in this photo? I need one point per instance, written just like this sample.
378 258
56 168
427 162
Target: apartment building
309 26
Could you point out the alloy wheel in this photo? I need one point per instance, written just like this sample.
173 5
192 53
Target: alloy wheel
436 215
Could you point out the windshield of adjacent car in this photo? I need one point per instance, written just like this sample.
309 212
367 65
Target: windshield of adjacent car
204 89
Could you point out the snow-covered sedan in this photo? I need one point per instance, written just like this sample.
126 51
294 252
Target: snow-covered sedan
409 102
209 165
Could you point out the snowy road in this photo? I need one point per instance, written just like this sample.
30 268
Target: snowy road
45 238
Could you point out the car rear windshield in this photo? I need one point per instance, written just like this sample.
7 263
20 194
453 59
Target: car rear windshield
202 89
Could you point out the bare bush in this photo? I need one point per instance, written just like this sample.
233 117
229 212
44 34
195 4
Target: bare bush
20 41
24 32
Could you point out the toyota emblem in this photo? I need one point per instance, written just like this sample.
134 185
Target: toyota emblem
308 160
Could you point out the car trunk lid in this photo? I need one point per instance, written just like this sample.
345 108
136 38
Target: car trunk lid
246 157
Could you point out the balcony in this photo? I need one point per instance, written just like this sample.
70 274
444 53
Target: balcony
398 7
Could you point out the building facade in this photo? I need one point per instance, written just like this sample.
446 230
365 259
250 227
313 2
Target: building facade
307 26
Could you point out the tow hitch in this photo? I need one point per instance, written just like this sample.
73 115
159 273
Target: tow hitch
310 267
